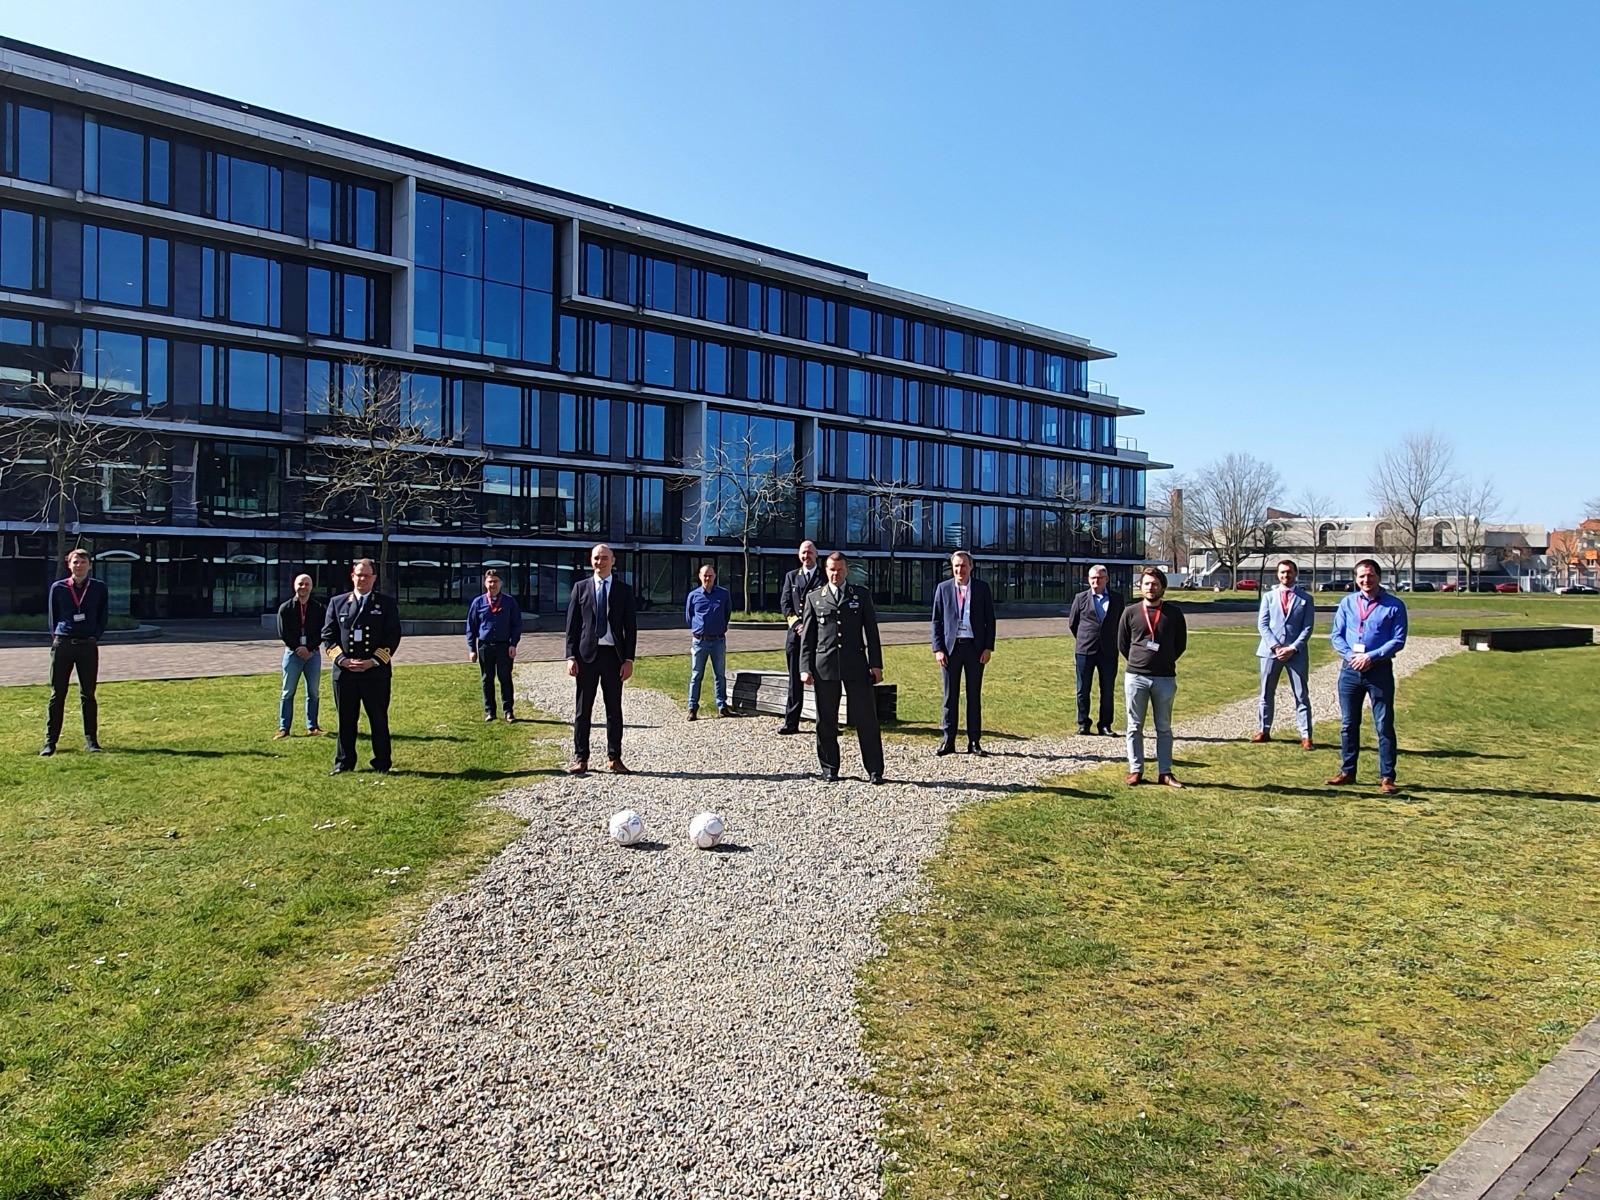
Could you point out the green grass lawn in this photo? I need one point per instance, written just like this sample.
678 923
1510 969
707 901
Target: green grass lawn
1028 686
173 910
1258 987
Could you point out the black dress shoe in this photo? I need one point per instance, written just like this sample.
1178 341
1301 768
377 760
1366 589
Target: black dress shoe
788 729
828 776
945 748
974 748
92 747
339 771
1107 731
877 778
380 770
1085 731
694 714
47 750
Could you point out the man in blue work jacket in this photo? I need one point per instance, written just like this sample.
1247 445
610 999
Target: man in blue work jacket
1369 629
707 610
494 627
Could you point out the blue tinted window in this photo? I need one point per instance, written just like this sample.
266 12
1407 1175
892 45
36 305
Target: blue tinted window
319 301
855 456
319 212
537 318
249 291
567 423
120 267
502 320
17 250
594 270
953 477
425 317
538 259
502 414
429 229
659 351
156 372
247 193
954 350
502 247
716 369
463 239
461 314
653 433
159 154
856 395
121 162
160 272
366 237
716 297
661 291
859 335
774 318
26 137
356 308
600 426
248 382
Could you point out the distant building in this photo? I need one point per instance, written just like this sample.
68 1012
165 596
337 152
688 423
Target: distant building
1330 548
1574 555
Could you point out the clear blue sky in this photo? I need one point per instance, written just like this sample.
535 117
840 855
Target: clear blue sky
1306 228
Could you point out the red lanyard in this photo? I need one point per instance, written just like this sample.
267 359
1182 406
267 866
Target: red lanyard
1362 614
1148 624
77 597
494 604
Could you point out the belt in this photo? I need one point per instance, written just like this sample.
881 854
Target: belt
710 637
67 637
965 639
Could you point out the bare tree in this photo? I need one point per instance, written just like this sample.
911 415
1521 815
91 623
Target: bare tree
380 460
1314 507
746 487
1227 504
896 512
62 440
1473 503
1071 502
1166 539
1591 509
1409 483
1561 557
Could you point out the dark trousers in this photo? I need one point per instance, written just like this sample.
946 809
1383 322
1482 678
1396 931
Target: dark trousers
797 690
604 674
353 691
1376 684
864 713
68 655
1090 665
494 662
963 659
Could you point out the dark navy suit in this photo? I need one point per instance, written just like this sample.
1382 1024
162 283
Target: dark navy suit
963 654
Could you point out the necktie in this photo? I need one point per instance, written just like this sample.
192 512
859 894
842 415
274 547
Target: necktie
600 605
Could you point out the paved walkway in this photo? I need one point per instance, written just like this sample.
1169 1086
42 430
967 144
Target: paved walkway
193 649
1543 1143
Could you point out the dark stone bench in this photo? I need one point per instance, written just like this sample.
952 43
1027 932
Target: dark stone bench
1527 637
768 692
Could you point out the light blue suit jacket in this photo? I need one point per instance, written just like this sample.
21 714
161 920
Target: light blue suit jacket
1280 629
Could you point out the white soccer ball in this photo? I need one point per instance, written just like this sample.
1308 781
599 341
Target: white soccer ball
706 830
626 827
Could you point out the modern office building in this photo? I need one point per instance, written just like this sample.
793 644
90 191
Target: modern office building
234 276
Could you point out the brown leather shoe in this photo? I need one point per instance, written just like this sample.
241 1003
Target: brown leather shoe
282 733
1262 736
1341 778
617 767
1134 777
1305 744
578 766
1169 780
1388 786
315 733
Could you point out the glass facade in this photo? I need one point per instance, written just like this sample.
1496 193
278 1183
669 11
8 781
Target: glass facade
576 372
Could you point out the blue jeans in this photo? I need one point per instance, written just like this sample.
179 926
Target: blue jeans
1159 691
717 651
294 668
1376 684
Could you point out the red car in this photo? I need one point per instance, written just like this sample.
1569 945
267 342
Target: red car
1449 587
1248 585
1508 586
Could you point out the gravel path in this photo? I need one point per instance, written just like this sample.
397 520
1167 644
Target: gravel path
587 1020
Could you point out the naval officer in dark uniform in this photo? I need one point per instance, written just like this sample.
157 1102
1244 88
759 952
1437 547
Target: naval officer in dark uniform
840 652
797 584
361 634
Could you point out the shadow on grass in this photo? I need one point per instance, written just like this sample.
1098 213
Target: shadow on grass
1407 791
169 750
481 774
1453 754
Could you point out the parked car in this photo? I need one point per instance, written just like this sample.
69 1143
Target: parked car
1423 587
1449 587
1248 585
1507 586
1338 585
1577 589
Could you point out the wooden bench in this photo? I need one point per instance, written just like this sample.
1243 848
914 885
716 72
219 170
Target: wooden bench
1528 637
768 692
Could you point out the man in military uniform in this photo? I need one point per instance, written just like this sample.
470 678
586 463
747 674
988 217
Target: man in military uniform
792 602
840 652
361 634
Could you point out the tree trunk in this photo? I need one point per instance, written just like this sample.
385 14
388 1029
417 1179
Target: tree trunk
744 546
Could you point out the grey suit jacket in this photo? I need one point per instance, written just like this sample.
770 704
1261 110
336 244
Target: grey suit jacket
1278 628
